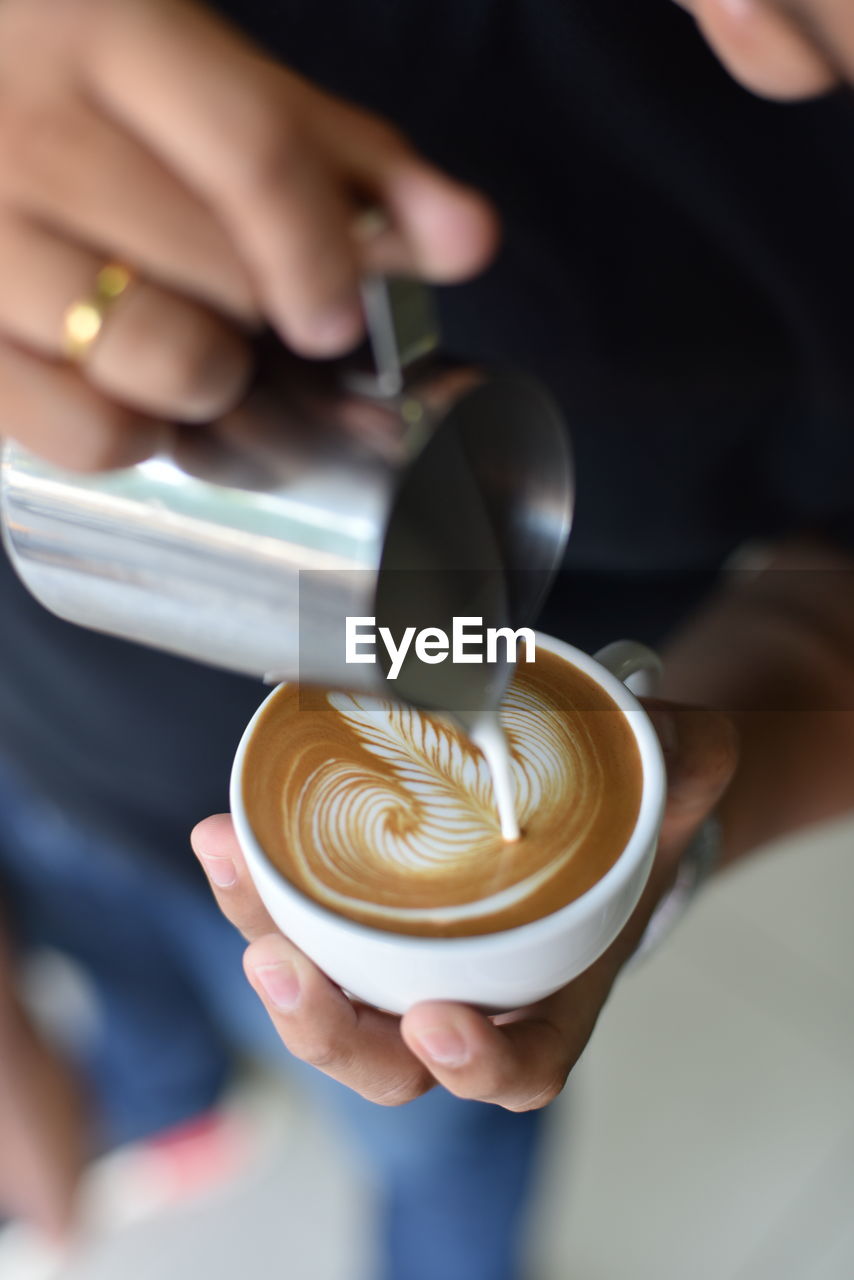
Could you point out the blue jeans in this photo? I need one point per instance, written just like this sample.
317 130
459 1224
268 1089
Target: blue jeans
174 1007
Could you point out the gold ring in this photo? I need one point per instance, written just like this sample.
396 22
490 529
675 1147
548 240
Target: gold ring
84 320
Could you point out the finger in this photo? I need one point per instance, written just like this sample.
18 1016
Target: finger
242 147
766 50
440 228
246 145
54 412
158 352
359 1046
217 849
354 1044
522 1062
521 1065
300 243
701 755
69 167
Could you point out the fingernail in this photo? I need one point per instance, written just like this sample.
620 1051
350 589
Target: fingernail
444 1046
280 984
738 9
221 871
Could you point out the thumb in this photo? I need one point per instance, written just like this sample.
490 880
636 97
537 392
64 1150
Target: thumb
701 754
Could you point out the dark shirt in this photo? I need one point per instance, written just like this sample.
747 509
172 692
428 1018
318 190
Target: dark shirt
675 267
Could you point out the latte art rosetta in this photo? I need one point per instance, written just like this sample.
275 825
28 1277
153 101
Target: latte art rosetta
416 808
387 815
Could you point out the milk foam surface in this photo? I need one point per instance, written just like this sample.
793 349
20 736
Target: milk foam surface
388 815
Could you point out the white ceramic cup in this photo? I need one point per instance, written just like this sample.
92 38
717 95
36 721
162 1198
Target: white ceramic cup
496 971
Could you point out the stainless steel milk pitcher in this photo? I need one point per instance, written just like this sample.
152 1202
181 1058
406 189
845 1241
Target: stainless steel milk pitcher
415 486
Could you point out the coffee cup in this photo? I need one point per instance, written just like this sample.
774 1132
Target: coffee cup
500 970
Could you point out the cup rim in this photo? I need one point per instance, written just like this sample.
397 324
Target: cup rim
643 835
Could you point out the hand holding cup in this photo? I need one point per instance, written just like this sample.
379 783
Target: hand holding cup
519 1058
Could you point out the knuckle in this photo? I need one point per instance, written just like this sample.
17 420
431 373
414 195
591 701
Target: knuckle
543 1096
397 1092
324 1051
